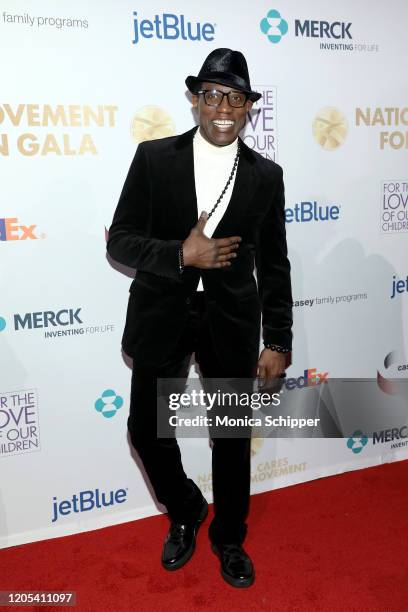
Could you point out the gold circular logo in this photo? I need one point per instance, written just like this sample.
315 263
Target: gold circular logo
151 122
330 128
256 445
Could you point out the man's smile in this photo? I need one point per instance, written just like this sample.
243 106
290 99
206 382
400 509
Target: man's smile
223 123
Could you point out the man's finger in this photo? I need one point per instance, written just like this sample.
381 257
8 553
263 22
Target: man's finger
226 257
228 249
261 371
200 225
224 242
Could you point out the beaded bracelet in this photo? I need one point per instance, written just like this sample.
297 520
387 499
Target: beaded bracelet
277 348
181 259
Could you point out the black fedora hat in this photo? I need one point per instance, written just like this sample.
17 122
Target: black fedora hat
226 67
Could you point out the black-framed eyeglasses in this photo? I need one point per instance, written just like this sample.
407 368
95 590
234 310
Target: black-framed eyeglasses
215 97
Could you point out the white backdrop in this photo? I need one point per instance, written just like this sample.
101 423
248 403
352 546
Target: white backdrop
78 94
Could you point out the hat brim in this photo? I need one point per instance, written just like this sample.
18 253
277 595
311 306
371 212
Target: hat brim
193 83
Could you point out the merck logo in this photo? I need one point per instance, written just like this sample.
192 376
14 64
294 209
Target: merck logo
31 320
389 435
109 403
10 229
274 27
322 29
357 442
171 27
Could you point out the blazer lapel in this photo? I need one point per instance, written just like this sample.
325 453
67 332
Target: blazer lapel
183 182
242 193
184 193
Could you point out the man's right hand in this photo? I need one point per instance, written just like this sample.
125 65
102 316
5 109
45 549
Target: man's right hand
200 251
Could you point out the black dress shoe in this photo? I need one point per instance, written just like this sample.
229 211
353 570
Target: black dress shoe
180 541
236 567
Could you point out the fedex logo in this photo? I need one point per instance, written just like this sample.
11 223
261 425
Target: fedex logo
310 378
10 229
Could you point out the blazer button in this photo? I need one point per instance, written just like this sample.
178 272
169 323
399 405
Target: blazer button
188 300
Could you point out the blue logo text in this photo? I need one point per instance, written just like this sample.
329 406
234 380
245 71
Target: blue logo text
171 27
87 500
311 211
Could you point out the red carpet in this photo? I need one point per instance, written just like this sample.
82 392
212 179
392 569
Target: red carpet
335 544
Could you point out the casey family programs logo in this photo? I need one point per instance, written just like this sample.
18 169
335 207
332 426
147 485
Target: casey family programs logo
395 368
43 21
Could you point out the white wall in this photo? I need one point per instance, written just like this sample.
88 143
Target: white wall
69 194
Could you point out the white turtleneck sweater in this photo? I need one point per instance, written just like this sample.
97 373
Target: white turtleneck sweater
212 168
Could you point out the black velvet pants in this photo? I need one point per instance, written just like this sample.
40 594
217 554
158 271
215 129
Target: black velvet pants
161 456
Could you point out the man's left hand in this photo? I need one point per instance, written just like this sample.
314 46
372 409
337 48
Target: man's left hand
271 365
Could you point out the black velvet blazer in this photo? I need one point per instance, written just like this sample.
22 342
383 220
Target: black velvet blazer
156 210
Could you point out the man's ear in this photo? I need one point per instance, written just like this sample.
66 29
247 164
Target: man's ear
194 100
249 105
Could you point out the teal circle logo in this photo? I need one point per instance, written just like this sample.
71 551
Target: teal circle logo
109 403
273 26
357 441
2 324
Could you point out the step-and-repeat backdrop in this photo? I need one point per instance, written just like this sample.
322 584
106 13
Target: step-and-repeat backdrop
82 84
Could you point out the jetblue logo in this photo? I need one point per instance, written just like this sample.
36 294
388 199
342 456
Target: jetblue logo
168 26
322 29
311 211
399 286
31 320
84 501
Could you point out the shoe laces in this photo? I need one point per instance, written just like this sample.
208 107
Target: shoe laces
235 552
177 529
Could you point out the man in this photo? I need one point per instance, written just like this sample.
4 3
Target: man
195 291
